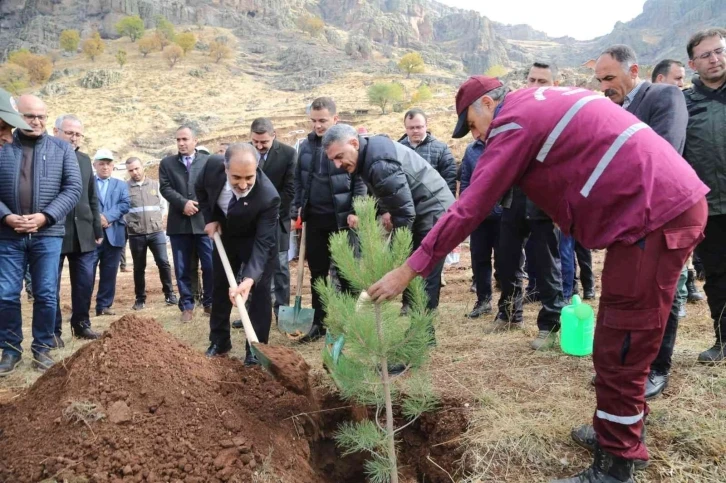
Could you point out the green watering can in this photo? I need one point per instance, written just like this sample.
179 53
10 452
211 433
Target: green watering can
577 328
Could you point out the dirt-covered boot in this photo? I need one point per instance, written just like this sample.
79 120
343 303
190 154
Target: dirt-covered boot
585 436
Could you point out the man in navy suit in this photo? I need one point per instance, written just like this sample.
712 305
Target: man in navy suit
113 203
240 202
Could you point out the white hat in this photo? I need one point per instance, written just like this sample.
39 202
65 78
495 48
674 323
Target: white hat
103 154
203 149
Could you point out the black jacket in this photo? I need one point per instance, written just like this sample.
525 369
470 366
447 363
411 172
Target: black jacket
279 166
310 154
251 227
706 141
438 155
407 186
83 223
663 108
177 187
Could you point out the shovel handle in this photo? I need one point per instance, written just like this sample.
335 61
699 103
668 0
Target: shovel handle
301 262
246 323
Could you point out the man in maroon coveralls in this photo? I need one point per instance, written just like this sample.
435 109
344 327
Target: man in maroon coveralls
611 182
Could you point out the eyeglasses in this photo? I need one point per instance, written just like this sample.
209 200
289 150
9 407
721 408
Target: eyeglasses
707 55
73 134
39 117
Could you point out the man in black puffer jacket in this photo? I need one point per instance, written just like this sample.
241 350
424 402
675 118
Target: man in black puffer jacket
324 198
437 153
407 186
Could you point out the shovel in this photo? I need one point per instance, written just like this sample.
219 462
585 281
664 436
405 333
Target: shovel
296 320
285 365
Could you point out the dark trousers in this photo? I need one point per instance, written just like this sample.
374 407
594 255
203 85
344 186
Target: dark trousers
584 260
317 234
638 285
664 359
281 281
712 253
259 305
156 242
107 263
181 249
513 233
432 283
483 245
81 270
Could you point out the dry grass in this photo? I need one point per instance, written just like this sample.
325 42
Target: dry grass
523 403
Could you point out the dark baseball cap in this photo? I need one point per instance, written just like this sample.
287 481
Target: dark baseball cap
471 90
9 112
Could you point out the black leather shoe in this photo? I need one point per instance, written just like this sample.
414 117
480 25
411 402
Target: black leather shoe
404 311
585 436
714 355
138 305
8 362
85 333
655 384
316 332
237 324
251 360
216 350
480 308
396 369
171 300
105 311
42 360
208 310
588 294
57 342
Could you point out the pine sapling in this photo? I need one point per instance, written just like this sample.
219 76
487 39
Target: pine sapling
375 338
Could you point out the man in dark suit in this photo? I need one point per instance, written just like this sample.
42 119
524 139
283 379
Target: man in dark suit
185 224
277 161
83 235
113 203
663 108
240 202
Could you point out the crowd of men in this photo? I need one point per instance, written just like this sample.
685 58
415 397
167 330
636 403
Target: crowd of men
536 191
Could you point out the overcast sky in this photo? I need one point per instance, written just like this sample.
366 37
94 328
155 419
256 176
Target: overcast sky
557 17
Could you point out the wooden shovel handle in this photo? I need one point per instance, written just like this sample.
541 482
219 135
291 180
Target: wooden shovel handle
246 323
301 262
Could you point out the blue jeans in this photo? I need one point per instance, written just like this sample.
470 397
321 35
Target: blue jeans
567 259
181 249
108 259
41 253
81 269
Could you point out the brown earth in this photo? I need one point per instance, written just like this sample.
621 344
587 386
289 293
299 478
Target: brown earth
138 405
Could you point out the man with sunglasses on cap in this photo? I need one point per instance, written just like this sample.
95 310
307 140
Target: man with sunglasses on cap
40 183
609 181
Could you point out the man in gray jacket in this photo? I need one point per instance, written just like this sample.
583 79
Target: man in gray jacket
407 186
40 183
145 229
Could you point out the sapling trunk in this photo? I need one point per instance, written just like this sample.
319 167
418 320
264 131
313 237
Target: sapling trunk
390 433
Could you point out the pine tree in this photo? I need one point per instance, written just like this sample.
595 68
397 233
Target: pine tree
375 337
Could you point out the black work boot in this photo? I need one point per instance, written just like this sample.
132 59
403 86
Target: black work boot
84 332
8 362
42 361
480 308
656 383
714 355
585 436
605 469
694 295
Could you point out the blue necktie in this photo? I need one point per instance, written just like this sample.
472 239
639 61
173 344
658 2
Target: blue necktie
232 202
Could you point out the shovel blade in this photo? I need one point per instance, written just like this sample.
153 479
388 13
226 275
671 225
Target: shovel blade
295 320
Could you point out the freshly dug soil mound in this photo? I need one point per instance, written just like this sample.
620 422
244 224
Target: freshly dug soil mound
138 405
170 415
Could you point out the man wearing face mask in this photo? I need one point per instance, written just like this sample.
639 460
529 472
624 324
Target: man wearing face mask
83 235
40 183
239 202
